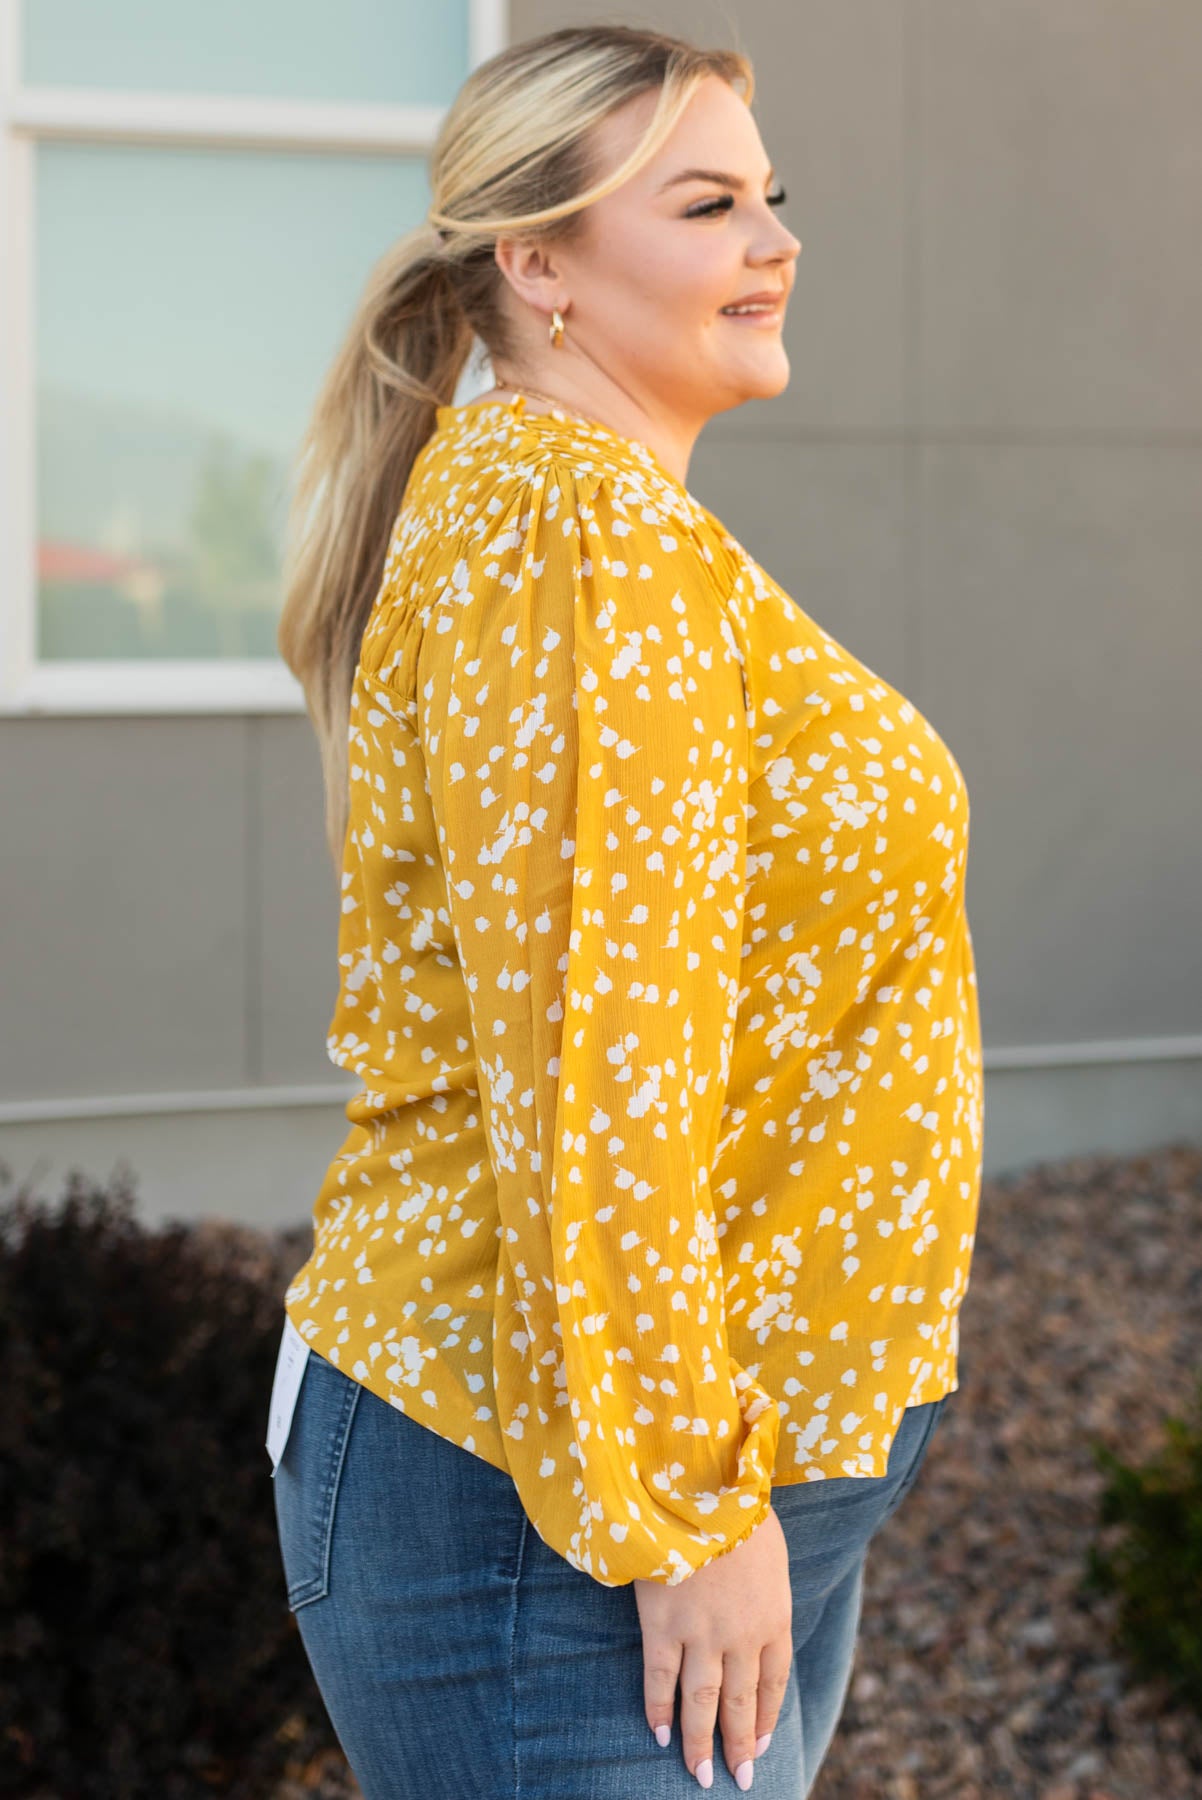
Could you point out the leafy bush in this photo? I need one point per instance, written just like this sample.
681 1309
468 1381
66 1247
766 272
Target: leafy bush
146 1648
1156 1567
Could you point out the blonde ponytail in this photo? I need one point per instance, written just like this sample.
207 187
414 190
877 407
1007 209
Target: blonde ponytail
512 155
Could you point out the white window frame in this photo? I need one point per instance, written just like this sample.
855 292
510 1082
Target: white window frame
29 115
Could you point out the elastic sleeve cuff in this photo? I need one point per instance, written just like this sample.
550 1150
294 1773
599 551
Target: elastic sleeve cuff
757 1519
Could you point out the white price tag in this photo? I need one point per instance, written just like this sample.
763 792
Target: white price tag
289 1367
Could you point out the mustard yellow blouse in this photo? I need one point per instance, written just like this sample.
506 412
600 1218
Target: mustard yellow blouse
663 1183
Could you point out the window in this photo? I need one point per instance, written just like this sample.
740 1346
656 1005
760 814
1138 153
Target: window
192 199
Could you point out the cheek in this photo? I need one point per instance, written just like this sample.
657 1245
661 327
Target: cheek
659 299
686 275
707 275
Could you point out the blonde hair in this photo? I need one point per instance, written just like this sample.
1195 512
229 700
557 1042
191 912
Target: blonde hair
512 155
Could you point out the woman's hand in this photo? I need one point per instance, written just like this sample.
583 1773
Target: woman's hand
727 1632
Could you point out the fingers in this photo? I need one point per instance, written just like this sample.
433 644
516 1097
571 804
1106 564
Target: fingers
737 1712
741 1694
661 1669
776 1666
700 1690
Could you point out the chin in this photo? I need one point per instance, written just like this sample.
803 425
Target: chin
766 385
737 386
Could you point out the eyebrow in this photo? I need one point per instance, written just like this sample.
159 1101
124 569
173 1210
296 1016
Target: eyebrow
717 175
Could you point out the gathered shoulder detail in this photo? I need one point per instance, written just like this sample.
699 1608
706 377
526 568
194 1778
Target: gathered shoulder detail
477 490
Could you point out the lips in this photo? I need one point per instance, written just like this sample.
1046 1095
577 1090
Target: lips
773 298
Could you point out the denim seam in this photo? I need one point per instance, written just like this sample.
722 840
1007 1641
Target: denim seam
344 1432
316 1587
513 1638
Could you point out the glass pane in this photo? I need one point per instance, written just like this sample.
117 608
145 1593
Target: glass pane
379 50
188 303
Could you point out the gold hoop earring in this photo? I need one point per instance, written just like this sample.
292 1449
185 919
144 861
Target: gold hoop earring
556 329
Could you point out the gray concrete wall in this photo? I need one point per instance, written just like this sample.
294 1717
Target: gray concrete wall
985 478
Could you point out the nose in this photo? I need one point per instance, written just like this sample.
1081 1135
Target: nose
785 250
783 245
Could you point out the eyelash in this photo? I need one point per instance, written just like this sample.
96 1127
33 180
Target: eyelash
712 207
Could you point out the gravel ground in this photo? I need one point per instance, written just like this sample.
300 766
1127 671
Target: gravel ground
983 1670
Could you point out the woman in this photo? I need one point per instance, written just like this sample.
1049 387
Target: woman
635 1286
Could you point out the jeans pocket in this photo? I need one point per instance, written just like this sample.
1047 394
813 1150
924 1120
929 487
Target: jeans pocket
309 1475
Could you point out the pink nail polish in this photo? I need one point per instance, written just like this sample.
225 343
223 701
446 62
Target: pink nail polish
744 1774
705 1772
762 1743
663 1734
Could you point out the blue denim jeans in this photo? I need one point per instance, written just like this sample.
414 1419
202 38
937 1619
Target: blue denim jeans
458 1655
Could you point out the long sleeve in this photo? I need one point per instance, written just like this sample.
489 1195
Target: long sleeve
584 726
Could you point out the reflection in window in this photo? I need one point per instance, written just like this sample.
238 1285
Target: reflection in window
188 303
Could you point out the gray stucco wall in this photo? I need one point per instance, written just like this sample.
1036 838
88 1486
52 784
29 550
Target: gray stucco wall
985 478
